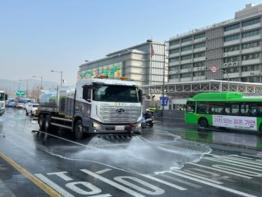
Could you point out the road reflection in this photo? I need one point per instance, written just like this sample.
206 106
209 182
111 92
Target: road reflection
232 138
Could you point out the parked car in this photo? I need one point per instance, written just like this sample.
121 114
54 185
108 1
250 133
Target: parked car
31 109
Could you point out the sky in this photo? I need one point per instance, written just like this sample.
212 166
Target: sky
38 36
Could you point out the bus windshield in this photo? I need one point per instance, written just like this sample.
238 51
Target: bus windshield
115 93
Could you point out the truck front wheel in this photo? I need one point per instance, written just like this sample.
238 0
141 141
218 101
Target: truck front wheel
78 130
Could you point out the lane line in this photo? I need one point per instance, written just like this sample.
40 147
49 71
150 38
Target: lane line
181 181
234 164
218 170
248 158
240 171
214 185
46 188
196 175
238 160
164 182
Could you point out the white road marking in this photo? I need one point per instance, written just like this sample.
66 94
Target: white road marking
164 182
213 174
214 185
255 156
154 189
218 170
234 164
61 175
199 177
102 195
180 181
248 158
103 171
92 188
240 171
238 160
53 185
112 183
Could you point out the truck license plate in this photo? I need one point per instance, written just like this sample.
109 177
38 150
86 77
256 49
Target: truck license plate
119 128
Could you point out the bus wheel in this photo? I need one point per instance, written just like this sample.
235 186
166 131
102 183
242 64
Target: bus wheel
202 123
78 130
41 122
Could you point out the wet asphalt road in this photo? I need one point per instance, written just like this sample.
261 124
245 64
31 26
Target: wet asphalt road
164 161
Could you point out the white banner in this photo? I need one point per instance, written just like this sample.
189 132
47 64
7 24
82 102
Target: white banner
237 122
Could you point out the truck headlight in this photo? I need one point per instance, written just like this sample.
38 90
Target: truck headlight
138 125
96 125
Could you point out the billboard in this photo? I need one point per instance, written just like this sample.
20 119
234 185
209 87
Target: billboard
111 71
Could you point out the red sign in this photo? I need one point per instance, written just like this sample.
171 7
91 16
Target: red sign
213 68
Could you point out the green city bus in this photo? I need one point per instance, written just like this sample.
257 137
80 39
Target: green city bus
226 110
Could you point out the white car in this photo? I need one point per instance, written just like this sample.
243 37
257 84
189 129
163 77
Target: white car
31 109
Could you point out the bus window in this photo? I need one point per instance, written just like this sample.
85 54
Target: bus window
235 109
259 109
202 108
244 109
190 106
255 109
227 109
216 108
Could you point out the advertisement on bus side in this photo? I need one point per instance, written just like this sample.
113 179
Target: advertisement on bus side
235 122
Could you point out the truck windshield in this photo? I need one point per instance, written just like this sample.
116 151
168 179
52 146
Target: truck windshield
2 96
115 93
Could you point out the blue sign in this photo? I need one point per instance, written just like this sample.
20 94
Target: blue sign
164 100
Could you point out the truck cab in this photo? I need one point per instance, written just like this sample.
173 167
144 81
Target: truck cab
110 105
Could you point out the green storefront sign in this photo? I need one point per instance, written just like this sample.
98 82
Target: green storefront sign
111 71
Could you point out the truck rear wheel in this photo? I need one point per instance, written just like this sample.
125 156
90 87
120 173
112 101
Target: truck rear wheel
41 122
48 126
78 130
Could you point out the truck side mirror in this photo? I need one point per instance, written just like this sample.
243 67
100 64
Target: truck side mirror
140 95
6 96
86 94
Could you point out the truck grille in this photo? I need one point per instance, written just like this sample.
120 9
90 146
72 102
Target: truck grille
122 114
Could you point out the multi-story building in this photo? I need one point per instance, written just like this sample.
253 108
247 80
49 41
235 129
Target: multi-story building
230 50
143 63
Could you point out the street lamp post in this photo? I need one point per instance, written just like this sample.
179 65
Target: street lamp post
61 76
164 67
41 83
225 72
